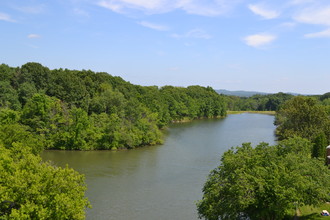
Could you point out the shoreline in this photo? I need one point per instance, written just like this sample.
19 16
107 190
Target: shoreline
252 112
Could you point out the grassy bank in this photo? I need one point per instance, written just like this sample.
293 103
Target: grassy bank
255 112
313 213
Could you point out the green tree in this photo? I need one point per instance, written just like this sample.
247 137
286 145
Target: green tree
325 96
32 189
26 92
11 132
36 74
319 146
8 96
263 183
301 116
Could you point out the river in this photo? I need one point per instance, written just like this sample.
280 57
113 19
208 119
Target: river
162 182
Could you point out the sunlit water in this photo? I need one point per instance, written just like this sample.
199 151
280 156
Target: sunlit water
162 182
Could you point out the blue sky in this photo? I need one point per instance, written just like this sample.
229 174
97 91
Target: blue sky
266 45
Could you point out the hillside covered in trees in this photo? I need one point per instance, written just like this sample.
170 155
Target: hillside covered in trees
84 110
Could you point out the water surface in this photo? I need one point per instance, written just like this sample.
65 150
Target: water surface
162 182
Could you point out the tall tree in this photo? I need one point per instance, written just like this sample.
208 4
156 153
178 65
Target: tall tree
301 116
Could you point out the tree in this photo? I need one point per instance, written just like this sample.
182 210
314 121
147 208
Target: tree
8 96
35 73
301 116
319 145
264 182
11 132
32 189
325 96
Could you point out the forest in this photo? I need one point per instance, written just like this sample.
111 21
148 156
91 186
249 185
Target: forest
84 110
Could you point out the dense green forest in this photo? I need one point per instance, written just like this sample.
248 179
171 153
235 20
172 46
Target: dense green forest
84 110
269 102
273 182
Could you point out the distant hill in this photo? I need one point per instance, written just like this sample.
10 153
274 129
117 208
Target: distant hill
240 93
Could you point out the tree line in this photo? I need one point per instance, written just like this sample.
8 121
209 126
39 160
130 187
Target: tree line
84 110
268 102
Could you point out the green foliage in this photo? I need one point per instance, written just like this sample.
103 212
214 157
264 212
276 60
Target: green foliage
265 182
36 74
8 96
32 189
319 146
83 110
325 96
270 102
302 116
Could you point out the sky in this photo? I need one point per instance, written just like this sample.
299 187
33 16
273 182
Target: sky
253 45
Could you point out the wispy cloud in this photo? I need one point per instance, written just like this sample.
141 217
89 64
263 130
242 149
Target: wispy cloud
314 16
259 40
194 33
321 34
6 17
33 36
111 6
263 11
205 8
153 26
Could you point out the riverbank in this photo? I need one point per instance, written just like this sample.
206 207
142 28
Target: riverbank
187 119
253 112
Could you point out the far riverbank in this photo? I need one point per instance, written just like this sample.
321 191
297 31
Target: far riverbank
252 112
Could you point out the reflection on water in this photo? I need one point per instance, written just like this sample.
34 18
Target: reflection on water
162 182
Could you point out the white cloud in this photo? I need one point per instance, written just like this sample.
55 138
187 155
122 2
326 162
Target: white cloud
153 26
109 5
314 16
33 36
194 33
263 12
321 34
205 8
259 40
121 6
6 17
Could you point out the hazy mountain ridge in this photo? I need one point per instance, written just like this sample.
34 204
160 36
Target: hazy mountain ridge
242 93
